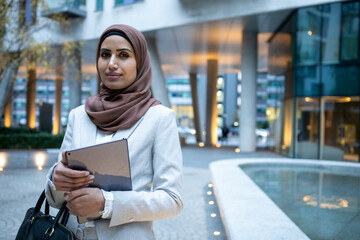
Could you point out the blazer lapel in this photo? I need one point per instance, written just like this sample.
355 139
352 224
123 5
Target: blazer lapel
121 134
127 133
87 132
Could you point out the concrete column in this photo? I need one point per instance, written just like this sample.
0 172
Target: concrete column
74 76
211 108
248 94
158 85
58 89
195 105
8 111
31 98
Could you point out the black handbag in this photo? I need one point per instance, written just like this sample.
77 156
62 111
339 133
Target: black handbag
39 225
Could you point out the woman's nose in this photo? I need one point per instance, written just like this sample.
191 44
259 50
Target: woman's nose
113 64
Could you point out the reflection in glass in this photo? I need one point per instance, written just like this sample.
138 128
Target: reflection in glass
307 117
279 81
340 80
287 134
307 81
340 128
326 84
331 33
350 31
308 35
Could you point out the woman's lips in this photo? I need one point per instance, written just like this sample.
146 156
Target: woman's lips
113 76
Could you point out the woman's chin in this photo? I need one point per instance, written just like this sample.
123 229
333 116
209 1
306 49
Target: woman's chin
113 86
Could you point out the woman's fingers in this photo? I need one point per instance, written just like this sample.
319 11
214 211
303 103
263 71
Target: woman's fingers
64 183
66 179
68 172
63 160
69 186
85 201
76 181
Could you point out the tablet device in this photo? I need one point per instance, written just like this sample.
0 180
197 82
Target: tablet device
108 162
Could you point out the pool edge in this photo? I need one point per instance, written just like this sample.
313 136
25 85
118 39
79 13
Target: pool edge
255 216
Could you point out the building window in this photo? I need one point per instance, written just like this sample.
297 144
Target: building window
27 12
350 31
124 2
331 18
327 89
334 83
308 36
307 81
99 5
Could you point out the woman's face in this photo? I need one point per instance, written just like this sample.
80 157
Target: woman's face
116 63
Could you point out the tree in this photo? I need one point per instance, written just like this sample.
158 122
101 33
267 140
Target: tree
18 26
18 23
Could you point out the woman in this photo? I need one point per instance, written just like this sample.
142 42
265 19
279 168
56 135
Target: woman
123 107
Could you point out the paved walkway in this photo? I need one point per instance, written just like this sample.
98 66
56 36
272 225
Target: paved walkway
20 188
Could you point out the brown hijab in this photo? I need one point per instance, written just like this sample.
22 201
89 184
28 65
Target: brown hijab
113 110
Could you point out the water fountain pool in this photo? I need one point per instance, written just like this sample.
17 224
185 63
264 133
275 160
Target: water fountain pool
288 198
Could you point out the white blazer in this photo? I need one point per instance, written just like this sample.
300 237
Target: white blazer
156 173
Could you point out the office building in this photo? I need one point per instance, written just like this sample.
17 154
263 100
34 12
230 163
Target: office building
303 54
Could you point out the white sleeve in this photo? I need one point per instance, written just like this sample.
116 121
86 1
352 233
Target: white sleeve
54 197
109 203
165 199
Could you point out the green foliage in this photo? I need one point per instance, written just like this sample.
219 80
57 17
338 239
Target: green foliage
25 138
17 130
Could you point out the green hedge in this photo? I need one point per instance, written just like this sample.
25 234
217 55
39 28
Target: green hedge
24 138
16 130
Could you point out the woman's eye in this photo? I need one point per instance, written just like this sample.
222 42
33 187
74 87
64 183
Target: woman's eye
105 54
124 55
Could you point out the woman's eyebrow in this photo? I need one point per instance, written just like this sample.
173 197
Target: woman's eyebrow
123 49
118 50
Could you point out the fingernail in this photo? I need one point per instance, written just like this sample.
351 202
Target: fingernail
92 177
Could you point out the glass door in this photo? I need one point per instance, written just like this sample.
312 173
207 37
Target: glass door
340 123
307 126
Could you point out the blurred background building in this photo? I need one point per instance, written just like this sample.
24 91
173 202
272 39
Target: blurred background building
284 75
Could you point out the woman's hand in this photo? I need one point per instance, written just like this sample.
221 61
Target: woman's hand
85 201
66 179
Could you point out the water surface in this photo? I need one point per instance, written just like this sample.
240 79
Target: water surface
325 205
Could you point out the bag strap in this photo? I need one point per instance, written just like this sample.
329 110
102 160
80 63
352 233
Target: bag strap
65 216
62 212
47 208
39 202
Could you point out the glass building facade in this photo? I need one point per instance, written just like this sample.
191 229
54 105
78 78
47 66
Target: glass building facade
45 93
317 53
